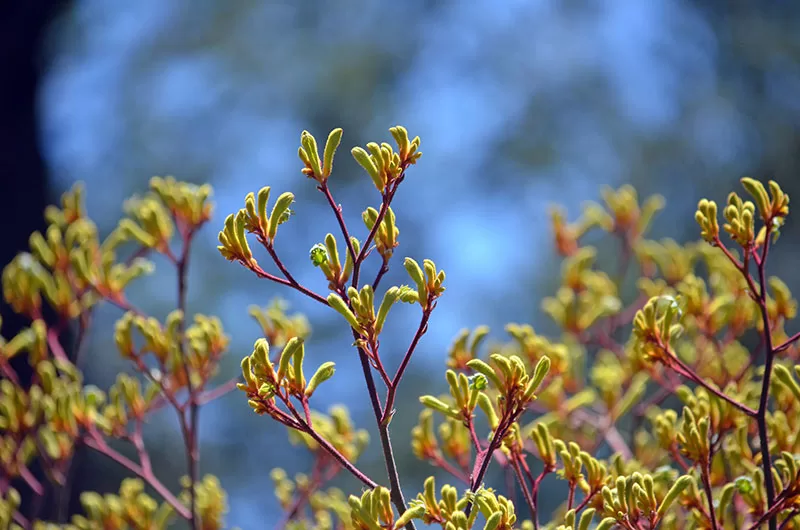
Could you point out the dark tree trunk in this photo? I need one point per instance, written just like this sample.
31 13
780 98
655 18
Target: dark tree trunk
24 189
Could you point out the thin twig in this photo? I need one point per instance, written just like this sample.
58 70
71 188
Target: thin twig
32 482
383 270
21 520
391 393
96 442
339 457
705 476
687 372
535 495
585 501
794 513
386 442
761 417
337 210
396 491
261 273
215 393
484 457
190 430
526 493
387 197
787 344
441 462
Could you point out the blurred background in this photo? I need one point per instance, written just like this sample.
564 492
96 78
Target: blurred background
519 104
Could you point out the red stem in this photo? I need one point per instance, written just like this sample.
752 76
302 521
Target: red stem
585 501
526 493
387 197
392 390
383 428
55 345
706 479
261 273
759 294
484 457
571 495
761 417
679 459
98 444
21 520
687 372
337 210
304 426
535 494
441 462
383 270
190 428
214 393
794 513
31 480
318 477
473 435
785 346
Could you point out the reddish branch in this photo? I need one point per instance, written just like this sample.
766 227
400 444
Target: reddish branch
382 417
759 295
94 440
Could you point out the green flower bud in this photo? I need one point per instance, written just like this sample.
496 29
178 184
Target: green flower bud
334 139
323 373
340 306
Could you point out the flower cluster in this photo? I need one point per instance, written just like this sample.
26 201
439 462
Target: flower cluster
44 419
675 408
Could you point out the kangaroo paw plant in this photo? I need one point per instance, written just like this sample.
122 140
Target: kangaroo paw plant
675 408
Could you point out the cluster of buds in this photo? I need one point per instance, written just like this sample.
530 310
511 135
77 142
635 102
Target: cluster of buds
149 223
451 511
262 382
629 216
193 363
386 233
188 203
363 318
131 508
452 444
211 500
385 166
567 235
586 295
633 500
326 257
510 378
773 207
68 266
308 152
513 386
327 507
277 326
617 398
665 257
465 347
253 219
621 214
171 205
655 327
373 510
579 468
70 269
338 427
571 521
